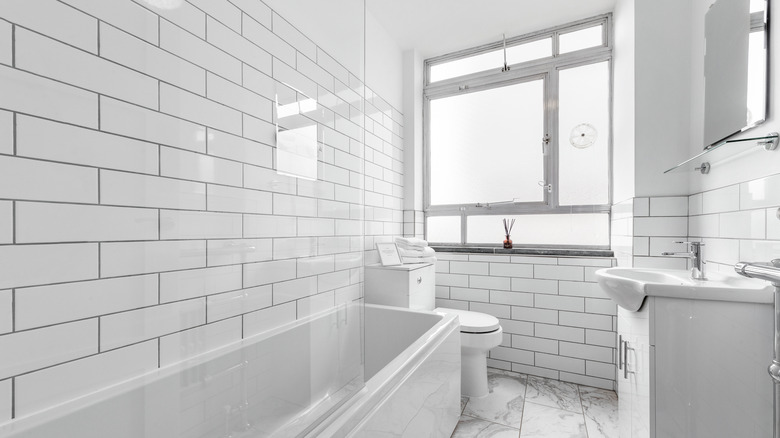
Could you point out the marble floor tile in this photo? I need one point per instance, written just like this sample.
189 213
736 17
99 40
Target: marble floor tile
553 393
601 412
504 402
470 427
548 422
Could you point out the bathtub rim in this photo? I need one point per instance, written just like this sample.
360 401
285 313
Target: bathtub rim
387 380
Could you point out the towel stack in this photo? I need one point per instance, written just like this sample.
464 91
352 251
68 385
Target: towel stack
414 250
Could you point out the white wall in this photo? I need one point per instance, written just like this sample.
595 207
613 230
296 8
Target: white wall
662 118
623 124
384 63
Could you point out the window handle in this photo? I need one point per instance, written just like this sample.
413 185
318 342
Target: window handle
545 186
545 142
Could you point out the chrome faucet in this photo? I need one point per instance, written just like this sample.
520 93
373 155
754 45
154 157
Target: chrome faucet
696 254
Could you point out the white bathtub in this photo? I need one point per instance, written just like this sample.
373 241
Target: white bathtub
303 379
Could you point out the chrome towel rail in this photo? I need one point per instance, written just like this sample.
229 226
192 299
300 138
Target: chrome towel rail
769 272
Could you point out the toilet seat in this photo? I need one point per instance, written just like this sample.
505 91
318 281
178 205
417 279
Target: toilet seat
472 322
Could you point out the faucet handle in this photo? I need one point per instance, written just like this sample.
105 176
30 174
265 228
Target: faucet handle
691 243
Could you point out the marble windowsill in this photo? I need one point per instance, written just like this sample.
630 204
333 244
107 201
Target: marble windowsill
527 251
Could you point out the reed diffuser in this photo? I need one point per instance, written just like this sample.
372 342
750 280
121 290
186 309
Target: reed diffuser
508 230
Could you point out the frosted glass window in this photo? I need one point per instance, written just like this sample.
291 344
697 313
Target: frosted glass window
486 146
491 60
587 229
756 88
581 39
583 147
443 229
529 51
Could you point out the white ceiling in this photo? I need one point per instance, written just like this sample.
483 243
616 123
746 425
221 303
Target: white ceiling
437 27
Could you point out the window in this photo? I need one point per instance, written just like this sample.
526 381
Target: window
530 142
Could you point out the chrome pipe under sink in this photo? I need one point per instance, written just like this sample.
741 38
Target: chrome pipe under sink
769 272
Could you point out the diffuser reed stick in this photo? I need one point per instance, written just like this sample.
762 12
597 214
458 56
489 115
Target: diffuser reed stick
508 229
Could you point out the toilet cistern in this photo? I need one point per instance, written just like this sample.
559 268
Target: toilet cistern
696 254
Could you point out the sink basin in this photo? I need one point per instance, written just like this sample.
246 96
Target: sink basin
628 287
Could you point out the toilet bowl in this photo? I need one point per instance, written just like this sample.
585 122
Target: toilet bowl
479 332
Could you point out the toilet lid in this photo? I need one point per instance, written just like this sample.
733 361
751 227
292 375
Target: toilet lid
472 322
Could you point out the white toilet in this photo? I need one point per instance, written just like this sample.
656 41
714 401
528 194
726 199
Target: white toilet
414 286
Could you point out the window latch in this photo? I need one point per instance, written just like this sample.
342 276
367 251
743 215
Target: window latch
545 142
545 186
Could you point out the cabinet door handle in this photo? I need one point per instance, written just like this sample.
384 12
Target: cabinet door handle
419 280
620 352
625 359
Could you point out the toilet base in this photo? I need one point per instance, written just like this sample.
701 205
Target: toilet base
473 361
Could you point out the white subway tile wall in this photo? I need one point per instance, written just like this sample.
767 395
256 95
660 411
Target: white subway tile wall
141 219
556 320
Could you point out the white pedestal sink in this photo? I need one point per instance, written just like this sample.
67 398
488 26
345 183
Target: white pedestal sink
628 287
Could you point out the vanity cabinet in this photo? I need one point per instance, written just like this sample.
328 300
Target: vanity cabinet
695 368
411 285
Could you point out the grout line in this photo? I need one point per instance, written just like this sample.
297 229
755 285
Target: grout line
13 45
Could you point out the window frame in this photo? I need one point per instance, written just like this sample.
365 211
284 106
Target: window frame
547 68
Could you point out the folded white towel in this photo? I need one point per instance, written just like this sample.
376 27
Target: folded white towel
426 251
411 242
411 260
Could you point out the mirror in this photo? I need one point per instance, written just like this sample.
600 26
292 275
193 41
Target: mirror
735 68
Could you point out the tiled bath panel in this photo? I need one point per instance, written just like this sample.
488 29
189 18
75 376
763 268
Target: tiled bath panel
557 322
142 220
521 406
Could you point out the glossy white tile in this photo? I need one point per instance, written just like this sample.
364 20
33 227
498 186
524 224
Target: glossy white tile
309 68
294 289
269 226
54 18
124 15
268 319
183 15
6 43
773 223
238 46
29 265
721 200
222 144
143 124
228 252
259 130
256 274
194 283
179 346
551 272
223 11
669 206
760 193
6 222
308 266
30 94
238 97
55 60
189 106
39 138
259 83
139 55
314 304
758 250
193 49
126 328
47 222
120 188
238 302
261 178
46 305
286 248
315 227
748 224
130 258
661 226
270 42
335 245
44 181
231 199
52 386
6 400
286 74
287 32
331 65
30 350
6 132
179 224
707 225
294 205
6 311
